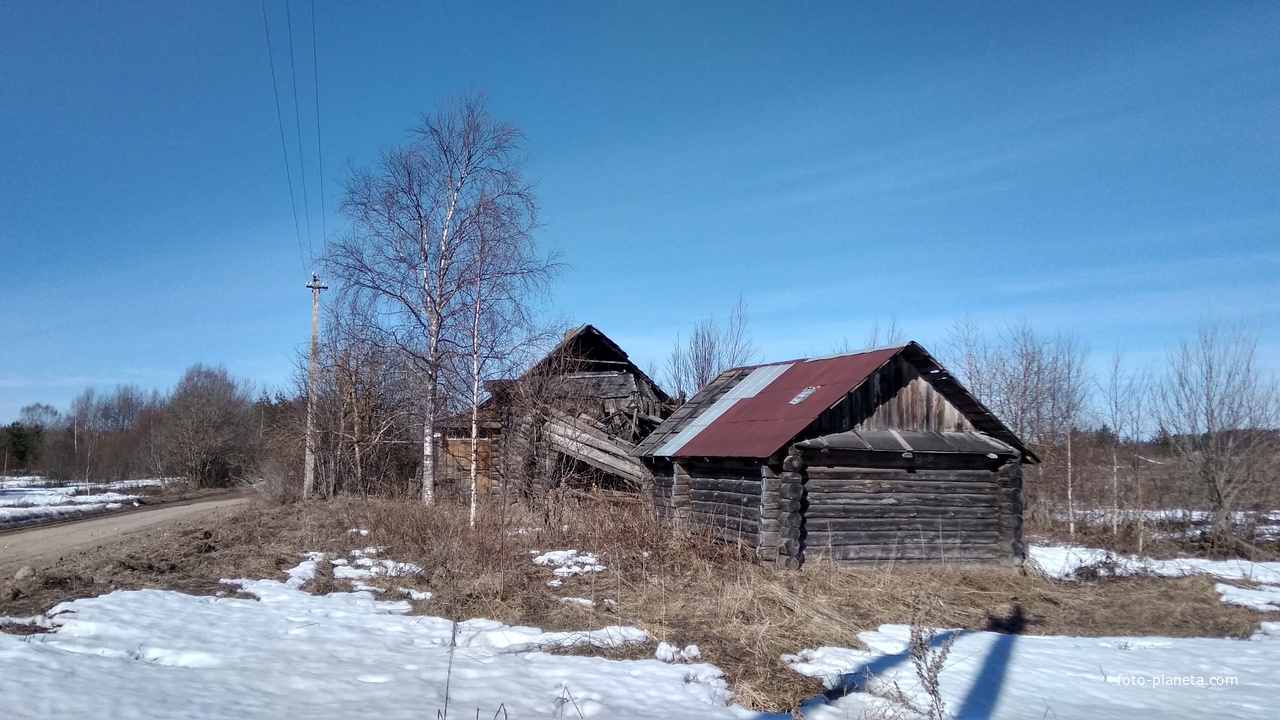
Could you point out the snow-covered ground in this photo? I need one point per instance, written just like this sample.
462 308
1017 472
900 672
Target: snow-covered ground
288 653
1064 562
30 499
1015 677
150 653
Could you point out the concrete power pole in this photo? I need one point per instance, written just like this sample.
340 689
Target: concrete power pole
309 472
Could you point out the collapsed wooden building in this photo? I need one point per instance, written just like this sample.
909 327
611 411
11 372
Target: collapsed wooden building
868 458
573 419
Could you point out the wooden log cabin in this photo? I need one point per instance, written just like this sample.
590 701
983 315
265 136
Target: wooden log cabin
573 419
868 459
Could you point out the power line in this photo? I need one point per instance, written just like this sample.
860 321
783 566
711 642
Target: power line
297 124
315 73
284 147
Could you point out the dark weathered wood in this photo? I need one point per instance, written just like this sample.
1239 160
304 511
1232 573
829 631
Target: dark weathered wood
734 511
743 487
852 501
907 487
821 512
905 538
911 526
824 477
880 555
708 496
878 459
791 491
747 467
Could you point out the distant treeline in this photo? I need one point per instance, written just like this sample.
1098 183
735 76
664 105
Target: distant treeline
210 430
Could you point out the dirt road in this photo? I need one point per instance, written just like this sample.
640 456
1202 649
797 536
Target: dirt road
46 544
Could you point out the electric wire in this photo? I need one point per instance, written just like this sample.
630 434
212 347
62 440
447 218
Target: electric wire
297 124
315 73
284 147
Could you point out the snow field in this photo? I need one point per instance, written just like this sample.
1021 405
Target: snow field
1013 677
152 653
1063 562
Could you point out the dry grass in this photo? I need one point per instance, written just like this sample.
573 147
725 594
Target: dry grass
682 589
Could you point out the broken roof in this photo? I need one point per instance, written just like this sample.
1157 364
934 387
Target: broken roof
756 411
587 350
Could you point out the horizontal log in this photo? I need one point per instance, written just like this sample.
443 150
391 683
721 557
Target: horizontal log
791 491
834 477
903 539
746 538
710 496
989 501
724 465
882 553
949 561
912 526
737 511
889 460
790 519
744 487
722 521
905 487
789 547
819 512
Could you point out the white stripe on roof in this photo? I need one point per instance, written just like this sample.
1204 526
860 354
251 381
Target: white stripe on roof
759 379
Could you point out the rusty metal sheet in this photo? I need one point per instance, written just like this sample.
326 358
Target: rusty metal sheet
762 424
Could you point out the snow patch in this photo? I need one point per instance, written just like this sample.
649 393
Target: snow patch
567 564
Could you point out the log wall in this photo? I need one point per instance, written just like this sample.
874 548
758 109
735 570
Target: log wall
863 516
860 509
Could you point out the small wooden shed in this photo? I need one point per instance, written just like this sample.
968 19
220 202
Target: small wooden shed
868 459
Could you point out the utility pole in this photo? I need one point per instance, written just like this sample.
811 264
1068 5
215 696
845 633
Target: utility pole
309 473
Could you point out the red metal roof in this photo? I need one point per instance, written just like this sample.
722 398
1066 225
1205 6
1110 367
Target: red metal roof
761 425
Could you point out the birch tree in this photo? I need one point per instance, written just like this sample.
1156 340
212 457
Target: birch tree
416 217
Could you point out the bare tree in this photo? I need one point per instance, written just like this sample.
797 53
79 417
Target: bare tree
207 434
1068 394
1219 412
711 349
416 220
890 334
508 273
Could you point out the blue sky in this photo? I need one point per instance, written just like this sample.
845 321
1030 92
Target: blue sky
1109 169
